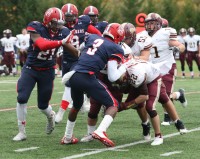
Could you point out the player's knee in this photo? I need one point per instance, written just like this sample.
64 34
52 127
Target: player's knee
92 115
152 113
22 99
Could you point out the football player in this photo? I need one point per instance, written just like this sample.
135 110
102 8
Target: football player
45 39
93 13
80 25
118 89
182 34
97 53
163 39
22 45
8 51
193 51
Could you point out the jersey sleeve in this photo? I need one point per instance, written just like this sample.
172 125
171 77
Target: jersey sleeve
173 34
145 42
34 27
118 54
85 19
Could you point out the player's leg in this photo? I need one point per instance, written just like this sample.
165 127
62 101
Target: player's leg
25 86
65 103
154 93
171 110
45 89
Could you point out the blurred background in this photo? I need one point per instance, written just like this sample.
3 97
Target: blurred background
16 14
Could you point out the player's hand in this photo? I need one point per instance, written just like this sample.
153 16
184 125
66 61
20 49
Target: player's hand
176 49
68 38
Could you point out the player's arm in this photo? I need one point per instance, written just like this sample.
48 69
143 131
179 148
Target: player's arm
142 90
177 44
114 73
45 44
144 55
92 30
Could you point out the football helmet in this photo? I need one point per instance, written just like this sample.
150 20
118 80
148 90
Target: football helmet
7 33
115 31
191 31
153 22
165 23
182 31
71 14
53 19
129 34
93 13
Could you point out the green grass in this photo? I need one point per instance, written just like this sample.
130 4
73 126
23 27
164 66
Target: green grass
125 129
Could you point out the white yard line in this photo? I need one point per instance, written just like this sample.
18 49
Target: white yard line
26 149
170 153
122 146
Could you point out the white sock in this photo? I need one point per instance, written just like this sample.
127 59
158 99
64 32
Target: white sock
91 129
47 111
177 95
105 123
192 73
21 116
146 122
69 129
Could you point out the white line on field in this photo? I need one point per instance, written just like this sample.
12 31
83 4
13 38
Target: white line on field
123 146
170 153
26 149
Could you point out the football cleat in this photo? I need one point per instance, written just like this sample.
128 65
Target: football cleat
180 127
102 136
51 123
165 123
167 120
157 141
87 138
59 115
146 131
20 137
182 98
65 141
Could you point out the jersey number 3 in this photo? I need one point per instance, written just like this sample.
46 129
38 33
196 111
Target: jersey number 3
96 44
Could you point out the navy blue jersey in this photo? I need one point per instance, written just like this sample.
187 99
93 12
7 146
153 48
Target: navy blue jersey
81 28
101 26
96 54
38 58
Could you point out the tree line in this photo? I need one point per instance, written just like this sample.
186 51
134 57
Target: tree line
16 14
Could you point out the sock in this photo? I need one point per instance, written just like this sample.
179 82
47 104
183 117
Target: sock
105 123
47 111
69 129
91 129
146 122
177 95
21 116
192 73
158 135
64 104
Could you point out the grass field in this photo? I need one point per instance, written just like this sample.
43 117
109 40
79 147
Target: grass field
125 131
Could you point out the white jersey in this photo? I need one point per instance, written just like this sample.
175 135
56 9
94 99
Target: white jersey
23 41
181 39
9 43
192 42
143 42
140 70
160 50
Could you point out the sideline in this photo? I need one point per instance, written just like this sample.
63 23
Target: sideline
123 146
